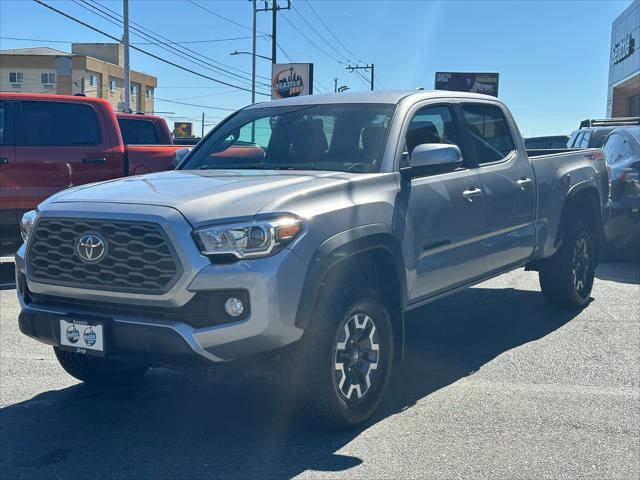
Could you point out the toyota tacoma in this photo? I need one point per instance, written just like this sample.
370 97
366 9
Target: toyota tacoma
303 230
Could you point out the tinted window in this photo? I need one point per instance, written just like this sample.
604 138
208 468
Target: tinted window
432 125
57 124
617 148
536 144
559 143
138 132
340 137
489 131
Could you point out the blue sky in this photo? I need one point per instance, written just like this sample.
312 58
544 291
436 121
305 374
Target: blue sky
552 56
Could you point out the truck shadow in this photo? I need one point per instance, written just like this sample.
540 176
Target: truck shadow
240 424
626 271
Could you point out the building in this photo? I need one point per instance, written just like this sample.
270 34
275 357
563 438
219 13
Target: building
623 99
95 69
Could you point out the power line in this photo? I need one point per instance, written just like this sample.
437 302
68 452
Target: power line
318 34
70 17
116 19
224 18
311 41
186 42
331 32
195 105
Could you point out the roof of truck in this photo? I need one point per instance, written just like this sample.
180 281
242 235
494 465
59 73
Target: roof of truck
381 96
53 97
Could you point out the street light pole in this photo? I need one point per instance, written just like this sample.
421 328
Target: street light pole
125 40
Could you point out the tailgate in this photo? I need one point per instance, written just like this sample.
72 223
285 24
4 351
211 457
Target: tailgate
150 158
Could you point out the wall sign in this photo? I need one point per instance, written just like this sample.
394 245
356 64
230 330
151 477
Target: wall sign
291 80
623 49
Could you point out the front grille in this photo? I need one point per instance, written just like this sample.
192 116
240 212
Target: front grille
139 257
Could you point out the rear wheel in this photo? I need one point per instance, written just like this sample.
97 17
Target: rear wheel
96 370
567 278
341 368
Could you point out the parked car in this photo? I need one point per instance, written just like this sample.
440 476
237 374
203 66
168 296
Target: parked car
622 226
333 216
139 129
592 133
186 140
546 143
52 142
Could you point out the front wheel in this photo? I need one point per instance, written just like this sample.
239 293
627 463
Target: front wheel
341 368
567 278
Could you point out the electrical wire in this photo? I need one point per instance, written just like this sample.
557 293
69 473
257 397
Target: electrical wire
311 41
318 34
152 55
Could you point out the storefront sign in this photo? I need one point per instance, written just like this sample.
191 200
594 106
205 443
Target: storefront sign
291 80
486 83
623 49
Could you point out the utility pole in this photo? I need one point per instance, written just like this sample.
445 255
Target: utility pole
125 41
253 56
365 68
202 128
335 85
274 24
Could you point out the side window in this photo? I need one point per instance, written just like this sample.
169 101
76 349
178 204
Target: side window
489 132
432 125
3 123
584 140
137 132
57 124
617 148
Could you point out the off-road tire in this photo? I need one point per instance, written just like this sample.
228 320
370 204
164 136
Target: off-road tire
311 365
96 370
566 279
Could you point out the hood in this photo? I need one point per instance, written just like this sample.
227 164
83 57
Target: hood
203 196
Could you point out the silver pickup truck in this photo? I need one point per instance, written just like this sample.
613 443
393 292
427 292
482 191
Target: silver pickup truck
301 231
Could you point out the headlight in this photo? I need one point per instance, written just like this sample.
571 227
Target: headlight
26 224
248 240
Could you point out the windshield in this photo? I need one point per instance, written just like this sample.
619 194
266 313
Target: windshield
338 137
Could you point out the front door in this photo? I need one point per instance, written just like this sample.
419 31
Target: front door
60 145
444 217
8 215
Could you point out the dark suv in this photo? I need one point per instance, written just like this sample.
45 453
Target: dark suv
593 133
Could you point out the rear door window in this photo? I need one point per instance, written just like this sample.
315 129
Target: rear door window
584 140
57 124
489 132
138 132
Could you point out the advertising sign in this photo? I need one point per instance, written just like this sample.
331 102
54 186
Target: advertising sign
486 83
623 49
182 129
291 80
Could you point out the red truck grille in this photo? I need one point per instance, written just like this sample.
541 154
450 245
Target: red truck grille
138 256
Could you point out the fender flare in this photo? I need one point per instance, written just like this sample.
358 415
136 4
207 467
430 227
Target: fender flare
573 192
341 247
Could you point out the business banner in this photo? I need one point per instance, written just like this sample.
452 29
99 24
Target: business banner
291 80
486 83
182 129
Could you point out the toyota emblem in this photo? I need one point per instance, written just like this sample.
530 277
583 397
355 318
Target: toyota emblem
91 247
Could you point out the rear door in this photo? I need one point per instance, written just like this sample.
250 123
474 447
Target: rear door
8 215
444 214
508 183
59 145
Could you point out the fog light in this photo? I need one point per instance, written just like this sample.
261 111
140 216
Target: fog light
234 306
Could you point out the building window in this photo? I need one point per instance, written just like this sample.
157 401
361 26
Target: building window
112 85
15 77
149 92
92 80
134 90
48 78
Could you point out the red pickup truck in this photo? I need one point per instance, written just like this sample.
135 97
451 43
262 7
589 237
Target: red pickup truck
52 142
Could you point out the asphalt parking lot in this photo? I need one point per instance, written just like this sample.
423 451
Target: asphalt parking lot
496 384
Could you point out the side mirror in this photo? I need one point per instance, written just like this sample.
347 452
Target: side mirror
179 155
430 158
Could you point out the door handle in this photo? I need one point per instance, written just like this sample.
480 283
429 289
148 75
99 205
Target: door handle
523 183
471 193
4 161
95 160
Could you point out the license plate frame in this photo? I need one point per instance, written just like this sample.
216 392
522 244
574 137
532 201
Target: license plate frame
82 336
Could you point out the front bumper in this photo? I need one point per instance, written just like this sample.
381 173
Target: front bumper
154 330
622 223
